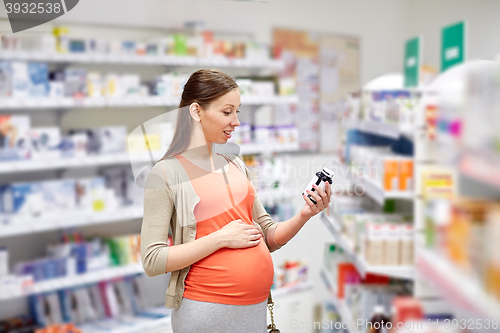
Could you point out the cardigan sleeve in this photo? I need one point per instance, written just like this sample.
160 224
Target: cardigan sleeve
158 210
267 224
263 219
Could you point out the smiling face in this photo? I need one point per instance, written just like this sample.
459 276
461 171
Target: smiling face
220 119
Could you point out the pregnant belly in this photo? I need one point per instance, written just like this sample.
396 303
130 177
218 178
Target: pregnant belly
232 276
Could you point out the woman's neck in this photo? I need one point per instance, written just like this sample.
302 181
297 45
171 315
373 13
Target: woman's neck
205 157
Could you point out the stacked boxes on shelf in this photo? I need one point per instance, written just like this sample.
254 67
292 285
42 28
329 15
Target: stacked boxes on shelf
466 232
388 170
195 44
290 273
359 296
108 305
43 201
71 257
380 238
22 141
394 107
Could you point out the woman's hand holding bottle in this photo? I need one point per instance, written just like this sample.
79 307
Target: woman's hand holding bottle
321 197
238 234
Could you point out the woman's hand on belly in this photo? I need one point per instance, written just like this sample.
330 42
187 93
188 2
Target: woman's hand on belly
238 235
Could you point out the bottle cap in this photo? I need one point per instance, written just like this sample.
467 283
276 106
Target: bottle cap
328 172
378 309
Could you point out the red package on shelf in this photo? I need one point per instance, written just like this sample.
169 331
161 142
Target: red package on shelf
375 279
345 270
406 309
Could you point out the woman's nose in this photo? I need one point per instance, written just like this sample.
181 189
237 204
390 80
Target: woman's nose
235 122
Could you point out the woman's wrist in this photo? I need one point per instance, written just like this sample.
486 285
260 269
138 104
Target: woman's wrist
305 217
217 240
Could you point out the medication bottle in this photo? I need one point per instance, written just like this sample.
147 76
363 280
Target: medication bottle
319 179
378 321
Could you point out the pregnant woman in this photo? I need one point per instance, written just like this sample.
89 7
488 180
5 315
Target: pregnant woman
221 265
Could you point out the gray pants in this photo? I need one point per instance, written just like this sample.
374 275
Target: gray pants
204 317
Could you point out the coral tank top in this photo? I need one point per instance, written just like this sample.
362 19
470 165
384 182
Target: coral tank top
227 276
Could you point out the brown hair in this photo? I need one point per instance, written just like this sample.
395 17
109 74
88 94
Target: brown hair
202 87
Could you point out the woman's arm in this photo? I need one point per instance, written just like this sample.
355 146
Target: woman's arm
236 234
158 210
286 230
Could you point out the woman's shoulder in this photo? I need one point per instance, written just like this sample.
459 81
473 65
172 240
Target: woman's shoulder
238 161
163 170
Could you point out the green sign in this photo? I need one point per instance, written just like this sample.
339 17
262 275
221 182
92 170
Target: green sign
452 45
412 62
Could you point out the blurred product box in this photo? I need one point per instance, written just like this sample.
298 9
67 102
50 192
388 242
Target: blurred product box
20 80
45 142
112 139
58 195
91 194
466 232
75 83
22 199
5 79
39 79
14 137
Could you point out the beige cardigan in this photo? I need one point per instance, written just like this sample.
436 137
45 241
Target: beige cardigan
169 201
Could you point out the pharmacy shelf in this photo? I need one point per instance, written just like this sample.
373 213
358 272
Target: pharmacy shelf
253 148
459 289
67 163
333 224
74 281
35 165
376 191
378 128
345 314
288 290
114 102
127 59
21 226
370 187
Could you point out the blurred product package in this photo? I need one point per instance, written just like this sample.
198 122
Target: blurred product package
14 137
191 42
22 202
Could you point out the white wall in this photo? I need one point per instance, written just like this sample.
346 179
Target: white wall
429 16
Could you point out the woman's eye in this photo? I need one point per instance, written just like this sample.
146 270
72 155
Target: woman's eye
228 113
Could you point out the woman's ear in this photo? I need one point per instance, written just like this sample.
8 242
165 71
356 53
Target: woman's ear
195 110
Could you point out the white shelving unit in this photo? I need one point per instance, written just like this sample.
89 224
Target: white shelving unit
12 104
127 59
345 314
461 290
23 226
19 226
288 290
374 190
379 128
333 224
35 165
74 281
254 148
